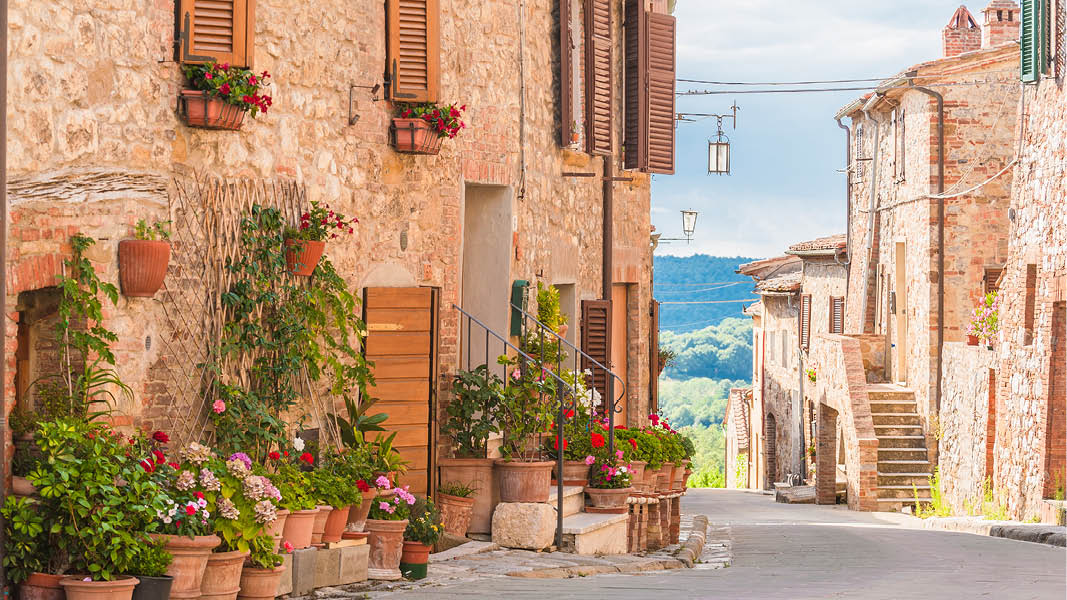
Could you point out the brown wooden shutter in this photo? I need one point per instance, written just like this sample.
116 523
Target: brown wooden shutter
566 71
413 50
220 31
599 83
653 388
805 321
596 339
991 279
662 35
837 315
636 72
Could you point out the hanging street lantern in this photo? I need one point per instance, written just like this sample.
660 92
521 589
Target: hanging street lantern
719 155
689 224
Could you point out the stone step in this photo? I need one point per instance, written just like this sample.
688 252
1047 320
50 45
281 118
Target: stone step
901 441
887 392
892 406
898 504
901 478
904 466
903 491
573 499
898 430
900 453
896 419
592 534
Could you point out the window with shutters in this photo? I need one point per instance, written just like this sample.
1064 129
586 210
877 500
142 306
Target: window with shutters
837 315
413 50
599 83
221 31
805 321
991 279
1034 39
596 339
651 67
571 110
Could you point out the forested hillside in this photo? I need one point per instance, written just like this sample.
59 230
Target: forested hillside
699 278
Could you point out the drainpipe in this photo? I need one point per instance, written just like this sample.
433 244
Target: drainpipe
940 237
3 269
874 205
847 263
608 283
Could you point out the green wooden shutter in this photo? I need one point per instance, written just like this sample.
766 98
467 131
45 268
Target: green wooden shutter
1034 39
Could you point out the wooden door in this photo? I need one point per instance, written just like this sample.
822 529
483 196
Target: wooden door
900 368
402 344
620 363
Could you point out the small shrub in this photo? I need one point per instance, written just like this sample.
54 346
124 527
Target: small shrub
937 507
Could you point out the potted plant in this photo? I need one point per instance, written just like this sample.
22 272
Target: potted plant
27 554
423 531
262 573
221 95
304 245
985 323
626 440
297 499
153 583
143 261
609 486
525 412
456 502
338 493
386 524
469 423
667 358
420 128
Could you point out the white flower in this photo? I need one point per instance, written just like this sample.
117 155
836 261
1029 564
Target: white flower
202 503
173 511
167 520
622 469
298 444
206 515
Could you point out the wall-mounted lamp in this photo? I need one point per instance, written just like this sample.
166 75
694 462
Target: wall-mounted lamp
689 227
353 117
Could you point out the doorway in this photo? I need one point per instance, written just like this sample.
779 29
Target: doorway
402 344
900 367
770 431
486 283
620 343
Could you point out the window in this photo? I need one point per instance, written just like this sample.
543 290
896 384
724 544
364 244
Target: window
220 31
650 82
991 279
570 72
900 145
772 344
413 50
858 161
599 83
837 315
1031 304
1033 41
805 321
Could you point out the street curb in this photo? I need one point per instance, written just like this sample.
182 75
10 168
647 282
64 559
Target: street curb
693 547
587 570
1050 535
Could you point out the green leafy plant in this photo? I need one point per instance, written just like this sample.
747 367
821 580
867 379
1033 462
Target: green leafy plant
443 118
233 85
938 506
152 559
812 376
475 400
294 485
261 553
424 523
26 548
385 458
667 358
392 504
526 406
609 475
332 488
708 478
355 428
460 490
160 230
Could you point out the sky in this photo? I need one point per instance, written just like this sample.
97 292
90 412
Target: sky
787 150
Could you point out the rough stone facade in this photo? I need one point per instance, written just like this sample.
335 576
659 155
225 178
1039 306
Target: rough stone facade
967 405
96 144
740 440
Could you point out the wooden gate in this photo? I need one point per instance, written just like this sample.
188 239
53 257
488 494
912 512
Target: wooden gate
402 343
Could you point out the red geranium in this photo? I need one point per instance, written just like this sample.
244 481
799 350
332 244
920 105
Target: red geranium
148 466
198 495
596 440
190 509
633 443
308 458
160 459
274 455
161 437
362 485
174 465
555 445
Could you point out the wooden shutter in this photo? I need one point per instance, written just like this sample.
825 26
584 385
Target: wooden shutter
636 72
413 50
653 388
220 31
1033 39
991 278
805 321
596 339
662 35
599 83
567 116
837 315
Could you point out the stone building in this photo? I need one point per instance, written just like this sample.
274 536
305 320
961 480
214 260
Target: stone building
740 470
96 144
929 192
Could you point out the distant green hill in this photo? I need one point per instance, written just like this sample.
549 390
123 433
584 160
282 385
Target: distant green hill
694 279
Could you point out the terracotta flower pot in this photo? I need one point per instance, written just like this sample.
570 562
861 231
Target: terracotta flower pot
153 588
415 136
78 589
608 498
20 486
478 473
685 479
666 478
142 266
562 331
275 528
575 472
455 513
637 474
189 562
357 515
302 256
336 520
222 577
319 524
260 584
386 546
524 481
42 586
210 112
650 479
972 340
414 559
298 528
678 474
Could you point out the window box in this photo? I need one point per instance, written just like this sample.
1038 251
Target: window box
209 112
415 136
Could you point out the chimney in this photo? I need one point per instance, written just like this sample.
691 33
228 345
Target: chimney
1001 23
962 33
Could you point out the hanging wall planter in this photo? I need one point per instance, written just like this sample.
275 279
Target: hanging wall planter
209 112
302 256
420 128
415 136
221 96
143 261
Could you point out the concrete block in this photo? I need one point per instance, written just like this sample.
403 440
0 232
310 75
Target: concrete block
303 572
354 560
610 539
327 567
531 526
285 584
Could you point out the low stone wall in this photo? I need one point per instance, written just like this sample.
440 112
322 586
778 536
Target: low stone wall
965 445
842 388
872 348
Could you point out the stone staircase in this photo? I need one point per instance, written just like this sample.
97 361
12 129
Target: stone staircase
589 533
903 465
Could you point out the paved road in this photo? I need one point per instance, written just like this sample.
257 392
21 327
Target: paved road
814 552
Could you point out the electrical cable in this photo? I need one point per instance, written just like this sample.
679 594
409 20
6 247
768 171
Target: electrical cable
712 302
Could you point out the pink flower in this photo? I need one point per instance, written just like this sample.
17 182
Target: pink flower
382 481
589 460
219 407
383 505
618 453
288 547
208 76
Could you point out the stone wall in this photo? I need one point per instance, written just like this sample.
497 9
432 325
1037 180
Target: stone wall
1029 366
95 144
781 386
964 422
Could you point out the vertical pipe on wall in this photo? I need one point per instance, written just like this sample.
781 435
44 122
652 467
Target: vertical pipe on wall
3 269
873 208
